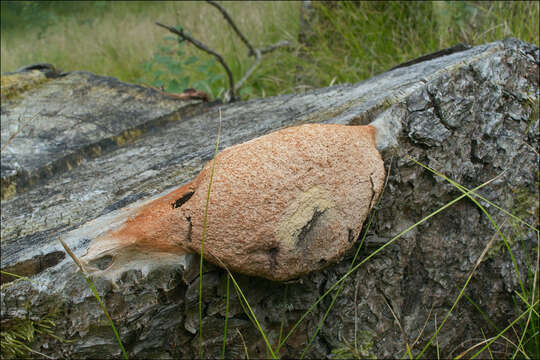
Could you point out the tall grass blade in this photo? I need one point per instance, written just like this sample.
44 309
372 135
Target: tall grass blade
534 294
96 295
391 241
251 314
204 235
506 243
484 315
524 332
19 277
283 315
437 339
516 320
243 343
247 309
459 187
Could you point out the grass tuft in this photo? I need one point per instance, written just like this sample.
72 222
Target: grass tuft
96 295
352 41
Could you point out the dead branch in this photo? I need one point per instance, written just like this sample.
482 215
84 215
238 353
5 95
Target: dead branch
270 48
233 25
257 52
187 94
204 48
241 82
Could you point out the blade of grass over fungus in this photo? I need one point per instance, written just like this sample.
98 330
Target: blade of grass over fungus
204 235
338 291
249 312
391 241
96 295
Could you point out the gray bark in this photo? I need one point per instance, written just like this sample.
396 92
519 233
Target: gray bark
88 148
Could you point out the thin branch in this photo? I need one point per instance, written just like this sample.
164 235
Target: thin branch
204 48
279 44
258 58
252 51
241 82
233 25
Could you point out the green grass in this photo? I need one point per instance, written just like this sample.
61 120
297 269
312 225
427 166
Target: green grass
18 334
353 41
118 38
96 295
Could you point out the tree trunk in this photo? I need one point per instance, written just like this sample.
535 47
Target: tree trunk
80 151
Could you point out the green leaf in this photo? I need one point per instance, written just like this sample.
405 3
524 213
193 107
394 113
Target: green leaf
147 66
174 68
191 60
161 59
246 91
158 73
184 83
174 86
202 68
215 77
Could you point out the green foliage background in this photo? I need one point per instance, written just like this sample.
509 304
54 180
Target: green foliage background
349 42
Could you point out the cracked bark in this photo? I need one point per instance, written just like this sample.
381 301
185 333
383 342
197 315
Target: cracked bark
420 271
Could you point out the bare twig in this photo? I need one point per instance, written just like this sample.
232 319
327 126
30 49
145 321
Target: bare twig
205 49
187 94
258 58
257 52
270 48
233 25
241 82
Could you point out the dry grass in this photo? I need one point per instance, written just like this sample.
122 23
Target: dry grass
353 40
125 36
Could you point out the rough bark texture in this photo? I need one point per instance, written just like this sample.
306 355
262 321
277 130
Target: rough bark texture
470 115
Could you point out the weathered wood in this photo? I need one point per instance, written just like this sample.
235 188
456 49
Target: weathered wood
470 115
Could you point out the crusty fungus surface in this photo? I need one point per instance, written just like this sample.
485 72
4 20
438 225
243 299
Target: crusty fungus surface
281 205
